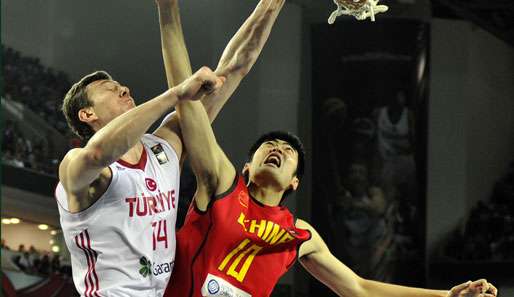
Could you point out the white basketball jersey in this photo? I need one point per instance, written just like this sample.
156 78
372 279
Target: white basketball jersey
392 138
124 244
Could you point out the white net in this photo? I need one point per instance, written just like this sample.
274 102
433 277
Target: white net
360 9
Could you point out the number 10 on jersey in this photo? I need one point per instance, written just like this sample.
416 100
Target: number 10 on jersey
160 233
242 250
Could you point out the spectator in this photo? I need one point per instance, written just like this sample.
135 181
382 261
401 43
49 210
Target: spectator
24 263
4 245
44 265
56 263
360 213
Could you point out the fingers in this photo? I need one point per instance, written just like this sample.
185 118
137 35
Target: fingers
493 290
209 80
480 285
455 291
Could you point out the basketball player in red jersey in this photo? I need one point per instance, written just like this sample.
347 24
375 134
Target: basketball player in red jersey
238 239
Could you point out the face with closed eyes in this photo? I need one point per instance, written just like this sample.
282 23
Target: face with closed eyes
274 163
109 100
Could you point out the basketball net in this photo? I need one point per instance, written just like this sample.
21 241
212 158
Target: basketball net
360 9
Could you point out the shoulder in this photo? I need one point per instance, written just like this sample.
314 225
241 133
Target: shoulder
303 225
68 159
315 245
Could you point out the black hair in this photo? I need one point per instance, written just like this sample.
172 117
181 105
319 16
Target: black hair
288 137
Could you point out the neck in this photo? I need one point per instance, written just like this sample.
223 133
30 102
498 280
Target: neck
133 154
265 195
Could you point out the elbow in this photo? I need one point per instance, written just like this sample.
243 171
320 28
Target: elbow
95 156
360 288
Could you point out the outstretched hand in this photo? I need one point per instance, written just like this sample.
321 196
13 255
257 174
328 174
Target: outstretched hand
478 288
202 82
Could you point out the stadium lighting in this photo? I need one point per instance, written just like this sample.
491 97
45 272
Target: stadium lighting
43 227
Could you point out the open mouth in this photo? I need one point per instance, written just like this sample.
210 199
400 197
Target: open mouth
273 160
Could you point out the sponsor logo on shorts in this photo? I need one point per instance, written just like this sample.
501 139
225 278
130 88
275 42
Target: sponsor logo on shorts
214 286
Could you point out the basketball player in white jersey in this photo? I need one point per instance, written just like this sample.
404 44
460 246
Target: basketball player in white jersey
117 196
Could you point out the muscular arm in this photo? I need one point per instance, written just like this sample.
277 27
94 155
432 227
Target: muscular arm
318 260
82 166
242 52
236 61
174 50
214 172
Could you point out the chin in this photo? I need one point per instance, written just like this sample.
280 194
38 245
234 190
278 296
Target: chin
267 174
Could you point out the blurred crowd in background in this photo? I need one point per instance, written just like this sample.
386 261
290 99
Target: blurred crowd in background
32 261
39 89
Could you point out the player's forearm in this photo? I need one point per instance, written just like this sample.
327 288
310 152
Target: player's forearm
378 289
174 50
243 50
122 133
198 138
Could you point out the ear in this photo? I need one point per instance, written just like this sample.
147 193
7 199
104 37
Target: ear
295 182
246 169
87 115
246 172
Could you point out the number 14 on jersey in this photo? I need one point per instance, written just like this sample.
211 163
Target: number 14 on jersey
160 234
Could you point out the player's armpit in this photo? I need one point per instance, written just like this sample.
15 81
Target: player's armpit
210 184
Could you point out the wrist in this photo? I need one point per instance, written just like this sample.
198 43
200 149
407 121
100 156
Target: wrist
170 98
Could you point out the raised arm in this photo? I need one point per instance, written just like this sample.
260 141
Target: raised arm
318 260
242 52
237 58
81 167
236 61
174 50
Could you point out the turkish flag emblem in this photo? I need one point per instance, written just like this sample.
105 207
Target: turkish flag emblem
150 184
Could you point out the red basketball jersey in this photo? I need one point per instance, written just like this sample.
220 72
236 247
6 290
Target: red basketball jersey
238 247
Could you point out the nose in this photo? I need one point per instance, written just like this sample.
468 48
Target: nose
276 148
